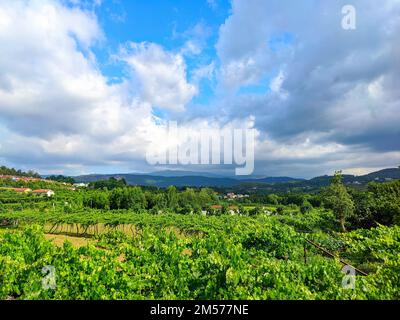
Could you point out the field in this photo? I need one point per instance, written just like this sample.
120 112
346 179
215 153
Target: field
56 248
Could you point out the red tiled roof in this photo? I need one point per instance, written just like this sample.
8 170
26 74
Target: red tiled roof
220 207
21 189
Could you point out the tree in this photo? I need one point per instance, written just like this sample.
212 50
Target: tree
272 199
188 198
257 210
61 178
306 207
224 209
172 197
13 172
128 198
280 210
155 200
109 184
337 198
379 204
242 210
293 198
97 200
207 196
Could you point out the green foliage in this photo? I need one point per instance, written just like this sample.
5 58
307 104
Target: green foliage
293 198
379 204
13 172
175 252
31 184
274 239
109 184
306 207
257 260
96 200
61 178
280 210
313 221
172 197
272 199
128 198
257 210
337 198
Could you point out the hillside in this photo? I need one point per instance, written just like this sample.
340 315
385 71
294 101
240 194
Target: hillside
270 183
162 182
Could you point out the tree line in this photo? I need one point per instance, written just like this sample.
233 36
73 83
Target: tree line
139 199
377 204
19 173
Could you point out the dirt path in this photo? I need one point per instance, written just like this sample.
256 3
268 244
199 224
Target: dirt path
59 240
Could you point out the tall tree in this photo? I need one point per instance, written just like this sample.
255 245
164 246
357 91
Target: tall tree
337 198
172 197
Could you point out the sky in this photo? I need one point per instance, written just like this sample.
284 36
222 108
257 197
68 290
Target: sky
86 85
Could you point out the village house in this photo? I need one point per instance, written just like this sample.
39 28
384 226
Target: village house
81 185
232 209
21 190
49 193
19 178
232 196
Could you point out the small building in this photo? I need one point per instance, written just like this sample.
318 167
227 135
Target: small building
22 190
49 193
81 185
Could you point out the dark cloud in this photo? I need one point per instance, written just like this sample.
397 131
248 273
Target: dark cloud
338 86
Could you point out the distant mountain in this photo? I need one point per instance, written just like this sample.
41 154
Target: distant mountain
162 182
179 173
275 180
380 176
180 179
167 178
385 174
327 179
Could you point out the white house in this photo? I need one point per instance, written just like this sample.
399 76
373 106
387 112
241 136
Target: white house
46 192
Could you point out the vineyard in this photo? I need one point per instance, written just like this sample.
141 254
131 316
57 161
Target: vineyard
147 254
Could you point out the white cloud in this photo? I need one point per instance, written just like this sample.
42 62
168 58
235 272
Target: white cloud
195 39
161 74
55 104
204 72
243 44
276 86
57 109
212 3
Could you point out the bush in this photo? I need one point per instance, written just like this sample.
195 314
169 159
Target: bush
97 200
128 198
306 207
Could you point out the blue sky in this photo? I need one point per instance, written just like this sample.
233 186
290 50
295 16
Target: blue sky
86 85
168 23
164 22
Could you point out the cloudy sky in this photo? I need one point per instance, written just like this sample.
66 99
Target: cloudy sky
84 84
